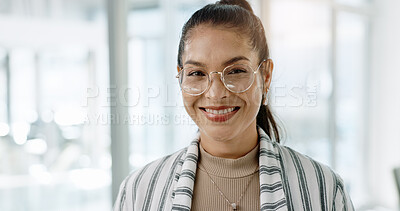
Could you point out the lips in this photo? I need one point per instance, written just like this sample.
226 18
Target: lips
219 113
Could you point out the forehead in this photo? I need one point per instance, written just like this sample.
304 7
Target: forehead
213 45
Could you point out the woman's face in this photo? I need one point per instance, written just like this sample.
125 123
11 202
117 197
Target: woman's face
214 48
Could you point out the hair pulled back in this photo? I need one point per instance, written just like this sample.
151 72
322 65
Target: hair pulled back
237 15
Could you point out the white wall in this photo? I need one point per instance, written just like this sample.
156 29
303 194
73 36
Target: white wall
385 102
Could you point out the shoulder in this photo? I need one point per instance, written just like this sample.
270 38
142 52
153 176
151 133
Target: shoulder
145 174
154 180
315 182
301 163
305 167
157 167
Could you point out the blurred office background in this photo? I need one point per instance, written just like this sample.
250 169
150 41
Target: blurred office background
87 97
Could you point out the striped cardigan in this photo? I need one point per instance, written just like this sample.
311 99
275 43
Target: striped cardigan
288 181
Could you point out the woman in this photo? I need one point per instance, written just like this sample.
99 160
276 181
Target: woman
235 162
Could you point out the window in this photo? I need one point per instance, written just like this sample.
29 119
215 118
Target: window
56 155
320 83
351 101
3 90
300 43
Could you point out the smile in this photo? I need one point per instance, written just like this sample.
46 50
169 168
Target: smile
220 113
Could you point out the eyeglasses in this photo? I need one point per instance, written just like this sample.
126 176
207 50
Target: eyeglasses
237 78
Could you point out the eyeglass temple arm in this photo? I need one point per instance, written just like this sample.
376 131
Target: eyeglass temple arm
262 62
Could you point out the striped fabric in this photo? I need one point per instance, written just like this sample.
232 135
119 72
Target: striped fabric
288 181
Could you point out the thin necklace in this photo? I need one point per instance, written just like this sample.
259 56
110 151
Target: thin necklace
234 205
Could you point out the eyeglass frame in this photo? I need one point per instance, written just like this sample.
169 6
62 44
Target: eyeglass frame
221 78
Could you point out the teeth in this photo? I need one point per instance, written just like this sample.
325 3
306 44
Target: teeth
222 111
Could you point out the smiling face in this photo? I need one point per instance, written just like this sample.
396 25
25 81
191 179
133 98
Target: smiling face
222 115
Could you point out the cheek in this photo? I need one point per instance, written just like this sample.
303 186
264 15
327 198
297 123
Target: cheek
189 102
254 95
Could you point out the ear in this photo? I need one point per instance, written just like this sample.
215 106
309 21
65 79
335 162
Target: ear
268 68
178 68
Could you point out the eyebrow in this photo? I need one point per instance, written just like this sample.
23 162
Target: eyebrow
226 63
235 59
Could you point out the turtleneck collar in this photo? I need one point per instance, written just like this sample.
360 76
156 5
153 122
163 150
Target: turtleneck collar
229 168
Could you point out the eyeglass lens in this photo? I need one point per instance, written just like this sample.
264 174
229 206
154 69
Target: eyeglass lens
236 78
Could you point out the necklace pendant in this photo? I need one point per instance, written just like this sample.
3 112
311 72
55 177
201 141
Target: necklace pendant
234 206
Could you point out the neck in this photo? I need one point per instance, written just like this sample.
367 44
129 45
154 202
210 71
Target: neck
231 148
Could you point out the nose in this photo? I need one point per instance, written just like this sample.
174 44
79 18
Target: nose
217 89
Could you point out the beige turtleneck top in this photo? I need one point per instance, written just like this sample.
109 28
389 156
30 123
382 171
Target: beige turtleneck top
232 177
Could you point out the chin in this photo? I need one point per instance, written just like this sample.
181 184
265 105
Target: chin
219 132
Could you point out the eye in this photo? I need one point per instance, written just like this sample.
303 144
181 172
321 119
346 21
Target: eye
195 73
237 70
